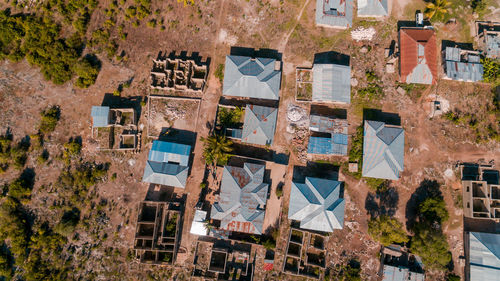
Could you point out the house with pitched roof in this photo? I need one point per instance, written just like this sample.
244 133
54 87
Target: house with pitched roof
317 204
331 83
249 77
418 55
373 8
168 164
462 65
383 150
482 253
241 206
259 124
334 13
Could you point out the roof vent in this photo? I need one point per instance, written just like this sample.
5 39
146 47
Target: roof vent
419 19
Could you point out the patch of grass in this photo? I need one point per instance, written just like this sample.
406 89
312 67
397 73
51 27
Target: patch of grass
219 72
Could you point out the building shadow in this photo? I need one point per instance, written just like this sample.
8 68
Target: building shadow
252 152
315 170
463 46
378 115
256 53
134 102
323 110
382 202
411 23
332 57
243 101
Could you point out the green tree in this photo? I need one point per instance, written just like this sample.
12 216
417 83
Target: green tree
431 245
20 189
437 8
216 149
433 210
387 230
87 73
229 117
452 277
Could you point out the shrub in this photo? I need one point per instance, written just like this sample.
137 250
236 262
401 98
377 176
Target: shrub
433 210
49 120
229 117
219 72
491 70
72 148
87 72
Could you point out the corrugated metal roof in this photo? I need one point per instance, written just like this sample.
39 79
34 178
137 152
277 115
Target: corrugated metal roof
393 273
383 151
492 42
251 78
466 68
317 204
163 151
334 13
165 174
414 67
331 83
336 143
484 256
372 8
198 227
100 116
242 199
259 124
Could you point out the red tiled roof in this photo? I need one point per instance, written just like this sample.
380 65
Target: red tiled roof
409 39
268 266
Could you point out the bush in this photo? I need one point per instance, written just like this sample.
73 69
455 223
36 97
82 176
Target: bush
491 70
229 117
387 230
452 277
72 148
356 151
49 120
433 210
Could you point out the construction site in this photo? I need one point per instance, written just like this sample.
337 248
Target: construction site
157 232
179 73
115 128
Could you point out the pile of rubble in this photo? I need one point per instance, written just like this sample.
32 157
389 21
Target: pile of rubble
298 123
361 33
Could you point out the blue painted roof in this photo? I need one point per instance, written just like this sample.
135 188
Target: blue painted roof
163 151
336 143
100 116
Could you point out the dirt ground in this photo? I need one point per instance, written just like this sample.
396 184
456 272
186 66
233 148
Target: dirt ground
432 146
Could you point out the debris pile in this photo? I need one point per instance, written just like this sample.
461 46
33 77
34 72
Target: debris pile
362 33
298 123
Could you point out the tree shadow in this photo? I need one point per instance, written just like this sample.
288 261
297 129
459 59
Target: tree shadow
383 202
427 189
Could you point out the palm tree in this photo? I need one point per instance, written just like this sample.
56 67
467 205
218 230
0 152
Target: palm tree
438 8
216 149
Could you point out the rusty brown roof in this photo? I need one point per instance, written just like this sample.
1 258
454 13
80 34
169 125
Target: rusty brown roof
410 57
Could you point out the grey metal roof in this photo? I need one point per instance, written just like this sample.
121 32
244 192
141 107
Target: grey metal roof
492 42
251 78
163 151
317 204
165 174
484 256
465 69
383 150
242 199
331 83
259 124
372 8
100 116
334 13
394 273
167 164
198 227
